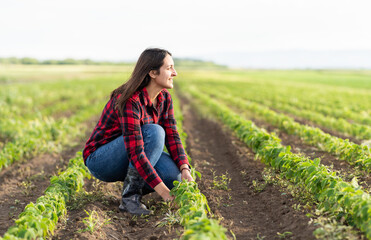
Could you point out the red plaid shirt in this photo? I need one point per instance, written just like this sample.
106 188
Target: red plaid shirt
138 111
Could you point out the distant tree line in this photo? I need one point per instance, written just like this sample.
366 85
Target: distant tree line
67 61
183 62
196 63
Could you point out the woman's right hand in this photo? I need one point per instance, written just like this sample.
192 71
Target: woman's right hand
164 192
167 197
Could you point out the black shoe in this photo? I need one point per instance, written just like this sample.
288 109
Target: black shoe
132 194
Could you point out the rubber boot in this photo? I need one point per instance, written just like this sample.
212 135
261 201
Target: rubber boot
146 189
132 194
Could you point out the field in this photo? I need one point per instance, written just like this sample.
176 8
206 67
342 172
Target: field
281 154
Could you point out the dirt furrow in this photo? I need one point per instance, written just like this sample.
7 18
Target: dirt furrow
324 129
248 213
346 170
23 182
104 199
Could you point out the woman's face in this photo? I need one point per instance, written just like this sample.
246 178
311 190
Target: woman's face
167 73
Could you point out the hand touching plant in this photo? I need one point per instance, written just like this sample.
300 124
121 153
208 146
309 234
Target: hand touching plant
186 173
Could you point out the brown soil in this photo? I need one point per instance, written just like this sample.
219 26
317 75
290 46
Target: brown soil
24 182
324 129
249 214
122 225
342 167
346 171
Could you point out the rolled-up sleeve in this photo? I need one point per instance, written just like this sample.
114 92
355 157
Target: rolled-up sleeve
172 139
133 139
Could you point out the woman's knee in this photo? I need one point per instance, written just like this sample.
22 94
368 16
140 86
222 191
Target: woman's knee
154 135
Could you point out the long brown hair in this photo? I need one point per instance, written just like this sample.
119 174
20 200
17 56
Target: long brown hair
150 59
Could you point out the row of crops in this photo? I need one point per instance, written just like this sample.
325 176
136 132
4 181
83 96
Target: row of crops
40 117
321 108
286 106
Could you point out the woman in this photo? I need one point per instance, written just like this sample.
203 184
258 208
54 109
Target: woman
128 140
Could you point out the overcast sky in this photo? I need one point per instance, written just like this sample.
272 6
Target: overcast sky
121 30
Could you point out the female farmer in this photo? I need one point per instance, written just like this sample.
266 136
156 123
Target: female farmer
127 142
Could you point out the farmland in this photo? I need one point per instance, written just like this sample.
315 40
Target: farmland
282 154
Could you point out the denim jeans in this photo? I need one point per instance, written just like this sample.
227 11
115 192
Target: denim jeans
110 162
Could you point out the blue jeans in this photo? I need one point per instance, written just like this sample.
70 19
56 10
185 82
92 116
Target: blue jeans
110 162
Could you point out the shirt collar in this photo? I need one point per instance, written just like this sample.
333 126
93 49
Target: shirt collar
147 100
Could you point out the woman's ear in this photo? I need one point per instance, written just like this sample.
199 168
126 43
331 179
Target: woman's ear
153 73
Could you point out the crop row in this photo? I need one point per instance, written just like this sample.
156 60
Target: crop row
26 99
15 127
24 134
358 131
349 91
193 208
56 101
344 112
305 86
46 135
39 219
329 101
358 155
333 194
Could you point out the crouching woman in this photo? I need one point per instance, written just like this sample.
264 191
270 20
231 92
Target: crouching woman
137 122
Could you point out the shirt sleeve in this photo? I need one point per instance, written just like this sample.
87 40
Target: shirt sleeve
133 139
172 139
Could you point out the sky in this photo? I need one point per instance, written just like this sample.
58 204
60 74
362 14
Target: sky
119 30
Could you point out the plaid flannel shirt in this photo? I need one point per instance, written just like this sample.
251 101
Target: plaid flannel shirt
138 111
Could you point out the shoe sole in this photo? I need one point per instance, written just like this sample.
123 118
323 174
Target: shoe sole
123 209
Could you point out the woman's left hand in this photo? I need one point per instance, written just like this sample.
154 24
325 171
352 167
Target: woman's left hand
186 174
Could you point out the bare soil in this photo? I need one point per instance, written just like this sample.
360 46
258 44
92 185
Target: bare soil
215 151
24 182
324 129
104 200
346 171
249 214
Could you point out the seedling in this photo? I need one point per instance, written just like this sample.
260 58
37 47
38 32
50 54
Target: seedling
27 187
80 199
134 218
221 182
243 173
259 237
170 219
284 235
37 176
92 222
12 212
258 187
330 228
233 235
